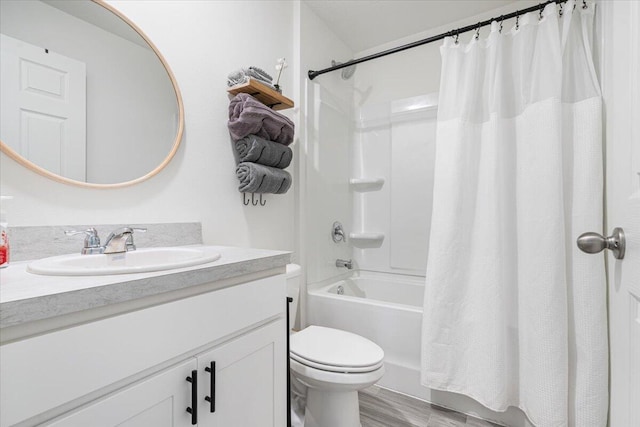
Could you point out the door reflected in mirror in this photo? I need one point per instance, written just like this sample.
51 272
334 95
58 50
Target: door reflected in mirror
85 97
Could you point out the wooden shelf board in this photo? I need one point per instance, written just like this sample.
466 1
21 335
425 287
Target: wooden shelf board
262 93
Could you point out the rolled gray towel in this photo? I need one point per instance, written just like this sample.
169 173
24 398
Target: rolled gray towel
243 75
259 150
248 116
255 178
259 73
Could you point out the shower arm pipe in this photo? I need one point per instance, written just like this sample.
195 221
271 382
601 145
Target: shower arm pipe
313 74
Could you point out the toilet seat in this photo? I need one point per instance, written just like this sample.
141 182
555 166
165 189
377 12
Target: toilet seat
333 368
335 350
312 377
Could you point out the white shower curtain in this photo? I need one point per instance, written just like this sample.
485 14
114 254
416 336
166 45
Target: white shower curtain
515 314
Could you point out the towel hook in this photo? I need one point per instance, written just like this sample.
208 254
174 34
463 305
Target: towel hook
254 201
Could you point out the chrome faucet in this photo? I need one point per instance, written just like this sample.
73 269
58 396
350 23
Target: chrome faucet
121 240
344 263
118 241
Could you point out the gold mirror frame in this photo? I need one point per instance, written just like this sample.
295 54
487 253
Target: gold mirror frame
35 168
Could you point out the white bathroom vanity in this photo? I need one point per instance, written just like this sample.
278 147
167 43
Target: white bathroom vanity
202 345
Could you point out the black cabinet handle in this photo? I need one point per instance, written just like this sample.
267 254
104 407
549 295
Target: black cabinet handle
289 301
212 398
193 409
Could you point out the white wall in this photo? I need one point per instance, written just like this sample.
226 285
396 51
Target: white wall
323 194
131 115
202 42
395 141
328 126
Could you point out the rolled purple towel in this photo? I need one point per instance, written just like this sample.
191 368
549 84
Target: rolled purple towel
248 116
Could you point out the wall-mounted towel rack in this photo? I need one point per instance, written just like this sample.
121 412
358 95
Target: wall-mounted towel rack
264 131
253 200
262 93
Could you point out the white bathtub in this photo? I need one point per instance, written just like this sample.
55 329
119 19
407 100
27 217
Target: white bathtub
385 308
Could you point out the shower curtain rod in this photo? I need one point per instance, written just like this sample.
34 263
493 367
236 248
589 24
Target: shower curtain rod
313 74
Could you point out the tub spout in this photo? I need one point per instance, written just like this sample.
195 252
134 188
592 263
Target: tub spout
344 263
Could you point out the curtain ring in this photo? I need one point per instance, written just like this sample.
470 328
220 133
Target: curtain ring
501 19
517 20
541 9
477 36
584 4
457 35
560 12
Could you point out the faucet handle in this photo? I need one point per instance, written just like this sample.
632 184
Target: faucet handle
91 240
130 245
337 233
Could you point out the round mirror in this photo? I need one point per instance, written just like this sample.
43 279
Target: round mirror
86 98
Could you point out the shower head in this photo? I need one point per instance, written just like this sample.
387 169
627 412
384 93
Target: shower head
347 72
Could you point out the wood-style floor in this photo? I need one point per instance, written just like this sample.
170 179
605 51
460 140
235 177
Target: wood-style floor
384 408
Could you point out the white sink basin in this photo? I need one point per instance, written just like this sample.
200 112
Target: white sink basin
139 261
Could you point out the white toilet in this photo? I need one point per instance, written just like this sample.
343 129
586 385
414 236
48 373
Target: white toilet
332 364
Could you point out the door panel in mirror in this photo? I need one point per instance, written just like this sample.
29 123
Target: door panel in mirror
43 107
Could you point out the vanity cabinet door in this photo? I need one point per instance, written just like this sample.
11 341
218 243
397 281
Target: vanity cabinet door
158 401
250 380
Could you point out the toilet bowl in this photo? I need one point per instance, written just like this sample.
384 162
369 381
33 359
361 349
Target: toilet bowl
333 364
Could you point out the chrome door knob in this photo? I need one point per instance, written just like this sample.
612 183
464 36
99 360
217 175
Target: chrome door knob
592 243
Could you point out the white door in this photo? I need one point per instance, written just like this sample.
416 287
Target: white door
159 401
43 110
620 65
250 380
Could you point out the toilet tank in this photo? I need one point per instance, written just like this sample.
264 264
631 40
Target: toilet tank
294 277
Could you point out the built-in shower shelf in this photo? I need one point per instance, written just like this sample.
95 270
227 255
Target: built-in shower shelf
366 240
262 93
366 184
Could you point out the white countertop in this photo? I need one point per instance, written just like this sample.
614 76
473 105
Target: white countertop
27 297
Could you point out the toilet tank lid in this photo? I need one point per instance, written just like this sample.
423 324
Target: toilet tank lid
293 270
